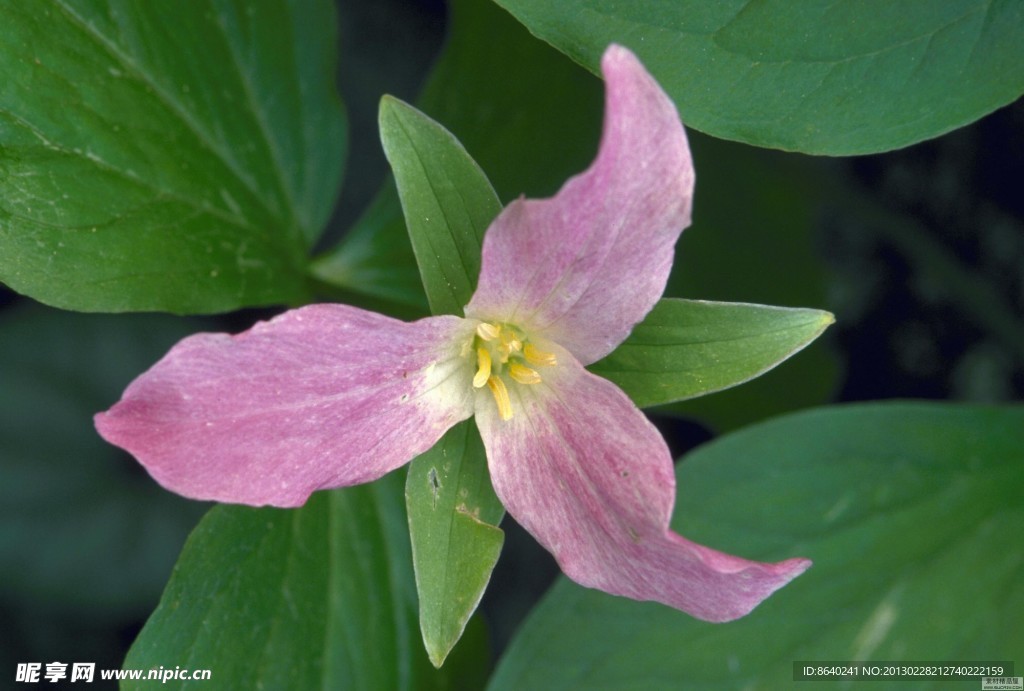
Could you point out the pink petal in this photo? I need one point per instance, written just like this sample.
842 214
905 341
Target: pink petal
319 397
586 265
581 468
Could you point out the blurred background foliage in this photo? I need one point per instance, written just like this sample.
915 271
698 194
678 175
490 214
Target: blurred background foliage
919 253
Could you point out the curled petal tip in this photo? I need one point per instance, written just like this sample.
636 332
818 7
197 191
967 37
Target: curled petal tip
743 591
616 54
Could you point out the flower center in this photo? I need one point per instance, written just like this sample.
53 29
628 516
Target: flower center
503 351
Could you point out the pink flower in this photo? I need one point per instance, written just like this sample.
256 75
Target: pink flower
331 396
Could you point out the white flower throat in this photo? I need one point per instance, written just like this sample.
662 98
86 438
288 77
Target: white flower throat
502 350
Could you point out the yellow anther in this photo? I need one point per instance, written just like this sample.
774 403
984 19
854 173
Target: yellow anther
538 357
487 331
483 367
497 387
523 374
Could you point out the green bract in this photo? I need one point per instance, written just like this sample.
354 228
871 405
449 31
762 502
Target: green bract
688 348
447 201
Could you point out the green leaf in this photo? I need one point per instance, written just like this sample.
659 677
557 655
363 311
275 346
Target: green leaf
453 510
166 156
820 76
316 597
82 529
447 200
529 116
453 514
912 514
753 240
688 348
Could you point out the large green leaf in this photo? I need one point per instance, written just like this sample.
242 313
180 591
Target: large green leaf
83 529
912 514
317 597
447 200
453 518
527 115
165 156
835 77
687 348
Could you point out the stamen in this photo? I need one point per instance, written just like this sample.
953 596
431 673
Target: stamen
538 357
487 331
502 349
497 387
483 371
523 374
